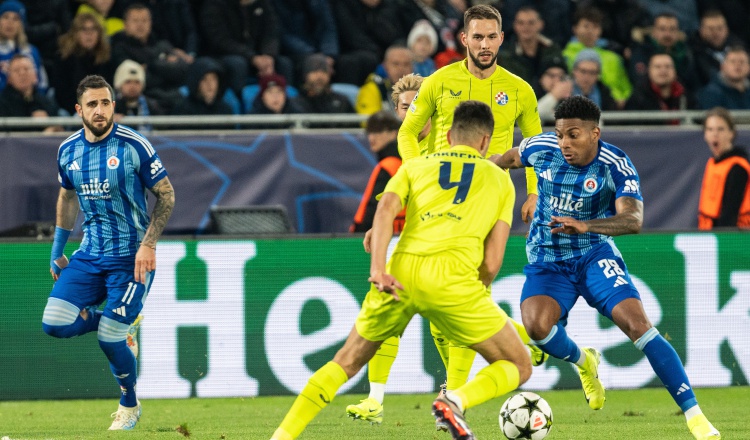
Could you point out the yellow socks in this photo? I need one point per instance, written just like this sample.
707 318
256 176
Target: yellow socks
317 394
380 365
492 381
521 331
441 343
461 360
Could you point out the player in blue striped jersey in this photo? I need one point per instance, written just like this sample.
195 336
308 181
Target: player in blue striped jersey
105 170
589 191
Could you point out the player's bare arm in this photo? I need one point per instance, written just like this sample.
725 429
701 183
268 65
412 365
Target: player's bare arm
145 258
511 159
528 208
628 220
494 250
67 212
382 232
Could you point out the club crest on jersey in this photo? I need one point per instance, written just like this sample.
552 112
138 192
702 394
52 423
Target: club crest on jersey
113 162
590 185
501 98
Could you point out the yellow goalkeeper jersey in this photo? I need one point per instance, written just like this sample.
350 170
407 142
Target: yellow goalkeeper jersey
511 99
455 197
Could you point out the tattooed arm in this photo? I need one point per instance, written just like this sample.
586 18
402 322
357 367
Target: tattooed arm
145 259
628 220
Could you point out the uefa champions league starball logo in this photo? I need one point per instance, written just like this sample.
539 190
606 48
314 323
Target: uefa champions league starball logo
501 98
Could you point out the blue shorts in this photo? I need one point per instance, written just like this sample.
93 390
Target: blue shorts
89 281
600 277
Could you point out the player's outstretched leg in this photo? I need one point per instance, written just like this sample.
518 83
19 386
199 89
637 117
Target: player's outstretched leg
378 370
112 340
593 389
132 334
667 365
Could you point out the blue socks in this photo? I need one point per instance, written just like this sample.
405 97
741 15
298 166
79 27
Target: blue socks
559 345
668 367
123 366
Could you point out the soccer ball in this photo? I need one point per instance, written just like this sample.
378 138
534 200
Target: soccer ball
526 416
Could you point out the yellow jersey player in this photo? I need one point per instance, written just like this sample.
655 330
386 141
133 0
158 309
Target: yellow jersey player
452 247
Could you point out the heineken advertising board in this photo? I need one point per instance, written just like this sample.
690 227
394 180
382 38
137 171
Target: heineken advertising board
257 317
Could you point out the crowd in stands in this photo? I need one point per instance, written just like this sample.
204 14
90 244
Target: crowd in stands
212 57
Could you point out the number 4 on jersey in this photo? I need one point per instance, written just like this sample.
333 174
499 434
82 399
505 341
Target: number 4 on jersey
463 185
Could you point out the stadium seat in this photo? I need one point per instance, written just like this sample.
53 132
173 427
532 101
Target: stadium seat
348 90
249 93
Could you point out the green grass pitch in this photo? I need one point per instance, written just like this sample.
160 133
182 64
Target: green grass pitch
637 414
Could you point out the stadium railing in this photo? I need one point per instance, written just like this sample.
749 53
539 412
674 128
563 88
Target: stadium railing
307 121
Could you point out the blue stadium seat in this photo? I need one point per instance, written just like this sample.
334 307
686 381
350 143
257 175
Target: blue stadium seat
348 90
249 93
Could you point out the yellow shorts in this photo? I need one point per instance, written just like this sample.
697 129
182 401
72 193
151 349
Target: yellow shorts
443 289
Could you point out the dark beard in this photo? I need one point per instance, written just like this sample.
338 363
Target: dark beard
98 132
479 64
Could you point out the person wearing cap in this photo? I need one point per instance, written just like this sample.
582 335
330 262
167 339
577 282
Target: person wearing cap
587 30
244 36
272 98
382 130
206 87
13 40
553 86
129 83
587 69
21 97
422 41
317 96
527 50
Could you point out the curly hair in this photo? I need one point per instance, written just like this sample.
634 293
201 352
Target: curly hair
578 107
68 42
408 83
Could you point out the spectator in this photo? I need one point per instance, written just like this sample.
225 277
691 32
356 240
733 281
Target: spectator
621 19
665 37
443 16
527 50
453 52
553 86
422 42
173 20
317 96
587 28
586 73
710 44
13 41
21 97
101 9
736 12
382 131
165 65
206 87
47 21
661 90
309 28
130 80
84 50
731 87
244 35
725 193
686 11
366 28
375 94
272 99
555 14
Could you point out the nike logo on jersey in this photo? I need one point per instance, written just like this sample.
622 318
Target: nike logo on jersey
74 166
620 281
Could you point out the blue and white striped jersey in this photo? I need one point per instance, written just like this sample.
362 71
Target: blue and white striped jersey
566 190
111 178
